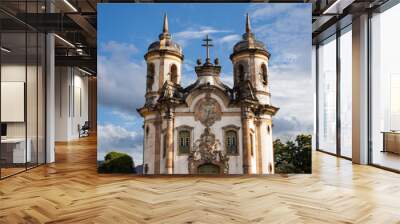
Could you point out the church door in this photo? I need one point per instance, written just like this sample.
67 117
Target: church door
209 169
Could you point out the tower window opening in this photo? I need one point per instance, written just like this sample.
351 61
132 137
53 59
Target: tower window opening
264 74
174 74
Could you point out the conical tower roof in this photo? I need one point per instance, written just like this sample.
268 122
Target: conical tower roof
165 42
249 41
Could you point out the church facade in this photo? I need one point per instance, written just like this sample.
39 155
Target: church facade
208 127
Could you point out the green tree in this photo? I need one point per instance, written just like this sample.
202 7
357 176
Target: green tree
116 162
293 157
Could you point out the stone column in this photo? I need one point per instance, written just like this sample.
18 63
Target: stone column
157 145
246 140
259 146
169 143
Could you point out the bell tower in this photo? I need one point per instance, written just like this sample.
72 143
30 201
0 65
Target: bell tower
251 88
164 61
250 64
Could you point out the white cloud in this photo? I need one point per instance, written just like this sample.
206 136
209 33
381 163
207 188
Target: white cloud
125 116
268 10
188 73
120 81
114 133
292 92
287 128
192 33
112 137
120 78
120 49
230 39
227 79
286 31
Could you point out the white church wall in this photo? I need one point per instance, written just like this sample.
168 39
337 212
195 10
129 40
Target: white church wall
235 162
230 116
149 146
252 128
264 99
258 61
156 63
168 62
254 157
225 109
267 145
163 170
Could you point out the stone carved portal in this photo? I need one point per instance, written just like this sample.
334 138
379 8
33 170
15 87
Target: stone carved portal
207 150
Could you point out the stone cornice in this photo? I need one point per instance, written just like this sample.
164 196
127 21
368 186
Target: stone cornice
184 127
211 70
162 52
251 51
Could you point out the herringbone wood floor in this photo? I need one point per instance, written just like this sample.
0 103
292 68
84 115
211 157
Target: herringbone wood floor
71 191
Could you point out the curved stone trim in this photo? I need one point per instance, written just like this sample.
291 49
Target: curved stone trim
162 52
213 90
231 127
184 127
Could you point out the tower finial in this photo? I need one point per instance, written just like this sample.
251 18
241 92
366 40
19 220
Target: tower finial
165 27
248 27
207 44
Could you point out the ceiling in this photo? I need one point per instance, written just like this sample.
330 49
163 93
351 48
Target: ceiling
75 22
331 15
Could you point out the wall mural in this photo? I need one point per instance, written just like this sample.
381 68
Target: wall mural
198 98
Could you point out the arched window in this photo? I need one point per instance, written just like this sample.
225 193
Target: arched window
150 76
231 143
184 141
174 74
264 74
269 129
241 73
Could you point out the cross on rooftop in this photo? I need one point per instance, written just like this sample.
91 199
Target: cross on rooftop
207 45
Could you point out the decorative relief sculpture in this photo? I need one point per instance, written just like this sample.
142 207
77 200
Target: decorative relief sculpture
207 111
207 150
169 92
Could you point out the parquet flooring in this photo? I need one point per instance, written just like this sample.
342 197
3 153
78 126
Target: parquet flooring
71 191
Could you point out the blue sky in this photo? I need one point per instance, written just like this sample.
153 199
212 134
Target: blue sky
126 30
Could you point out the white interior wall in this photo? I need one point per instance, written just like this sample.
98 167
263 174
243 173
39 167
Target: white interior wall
71 102
14 73
32 127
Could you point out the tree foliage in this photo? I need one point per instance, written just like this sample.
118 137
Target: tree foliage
116 162
293 157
